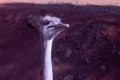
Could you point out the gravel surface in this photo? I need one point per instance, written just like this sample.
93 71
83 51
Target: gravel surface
77 2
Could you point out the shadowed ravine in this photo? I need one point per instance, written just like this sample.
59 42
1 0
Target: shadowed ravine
88 50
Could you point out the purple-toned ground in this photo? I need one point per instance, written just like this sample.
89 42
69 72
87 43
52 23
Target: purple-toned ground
88 50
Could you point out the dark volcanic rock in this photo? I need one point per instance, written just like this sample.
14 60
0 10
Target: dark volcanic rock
88 50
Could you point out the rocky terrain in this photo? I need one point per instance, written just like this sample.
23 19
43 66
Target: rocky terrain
88 50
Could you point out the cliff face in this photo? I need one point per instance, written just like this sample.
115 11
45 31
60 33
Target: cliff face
88 50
